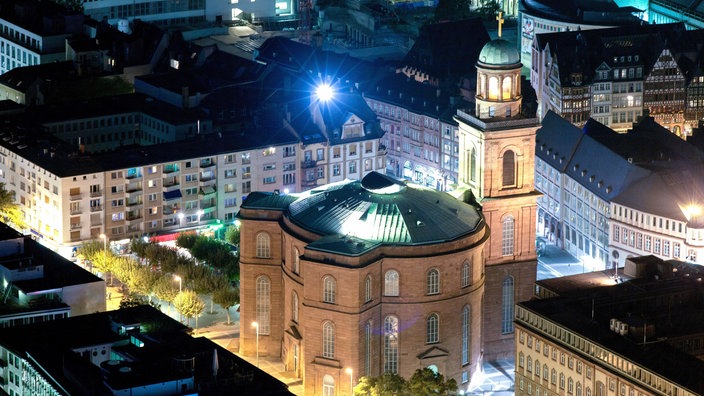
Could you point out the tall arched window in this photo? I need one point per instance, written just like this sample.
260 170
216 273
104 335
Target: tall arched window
465 334
473 165
529 364
263 296
432 329
493 88
508 171
296 261
263 245
433 281
294 307
466 275
482 86
329 289
368 349
391 283
328 385
368 288
328 340
507 306
507 235
391 344
506 88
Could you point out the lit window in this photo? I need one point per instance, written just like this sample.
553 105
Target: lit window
328 340
263 245
329 289
507 236
391 283
263 308
431 333
433 282
391 344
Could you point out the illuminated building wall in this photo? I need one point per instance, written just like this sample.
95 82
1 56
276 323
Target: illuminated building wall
333 283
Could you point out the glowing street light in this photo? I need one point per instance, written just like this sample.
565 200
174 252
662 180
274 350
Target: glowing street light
324 92
178 278
256 326
349 371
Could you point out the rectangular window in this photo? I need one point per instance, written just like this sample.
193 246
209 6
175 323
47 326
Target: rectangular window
269 180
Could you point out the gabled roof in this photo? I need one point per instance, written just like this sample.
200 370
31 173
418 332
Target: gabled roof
448 49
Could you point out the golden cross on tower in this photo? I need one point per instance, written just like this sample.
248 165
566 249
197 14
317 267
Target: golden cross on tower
501 21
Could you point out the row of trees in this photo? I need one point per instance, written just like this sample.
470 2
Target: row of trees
423 382
154 275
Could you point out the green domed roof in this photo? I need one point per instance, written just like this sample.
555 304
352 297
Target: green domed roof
499 53
381 209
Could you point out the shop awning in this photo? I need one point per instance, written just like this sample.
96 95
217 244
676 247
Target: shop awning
207 190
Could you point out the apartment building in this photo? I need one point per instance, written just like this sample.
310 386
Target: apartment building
33 33
421 135
608 196
617 75
593 335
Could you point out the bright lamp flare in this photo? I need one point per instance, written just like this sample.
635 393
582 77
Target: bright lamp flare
324 92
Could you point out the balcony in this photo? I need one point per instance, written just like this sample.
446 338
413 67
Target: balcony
170 222
168 183
307 164
207 163
133 204
96 208
75 211
133 187
170 169
131 218
309 183
131 175
75 197
207 204
207 190
75 226
94 194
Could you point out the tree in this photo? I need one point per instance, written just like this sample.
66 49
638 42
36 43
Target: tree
133 300
389 384
232 235
142 280
427 382
188 304
165 289
9 210
226 297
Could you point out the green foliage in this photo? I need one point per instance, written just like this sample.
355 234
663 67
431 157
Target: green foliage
423 382
232 235
166 288
226 297
189 304
186 240
9 210
133 300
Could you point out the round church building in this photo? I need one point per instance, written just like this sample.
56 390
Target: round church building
360 278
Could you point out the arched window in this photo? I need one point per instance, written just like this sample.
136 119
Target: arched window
537 368
296 261
562 381
553 377
433 281
328 385
507 235
431 329
508 171
368 289
391 283
545 372
493 88
570 385
507 306
600 389
579 389
473 165
466 276
368 349
329 289
263 245
263 296
294 307
482 85
521 360
506 88
328 340
529 364
465 334
391 344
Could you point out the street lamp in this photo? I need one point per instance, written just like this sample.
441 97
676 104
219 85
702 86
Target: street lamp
178 278
256 327
105 251
105 241
349 371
